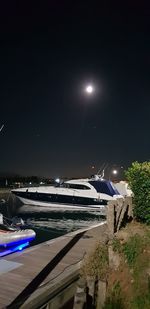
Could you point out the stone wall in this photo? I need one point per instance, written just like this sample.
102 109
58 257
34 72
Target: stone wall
93 291
119 211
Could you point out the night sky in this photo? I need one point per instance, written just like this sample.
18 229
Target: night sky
48 54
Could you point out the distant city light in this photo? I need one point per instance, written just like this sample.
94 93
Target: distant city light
57 180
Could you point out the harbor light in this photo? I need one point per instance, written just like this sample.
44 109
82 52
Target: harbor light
57 180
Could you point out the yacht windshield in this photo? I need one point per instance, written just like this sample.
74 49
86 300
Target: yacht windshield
75 186
105 187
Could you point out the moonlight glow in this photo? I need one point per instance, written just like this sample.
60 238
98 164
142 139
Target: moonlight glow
115 172
89 89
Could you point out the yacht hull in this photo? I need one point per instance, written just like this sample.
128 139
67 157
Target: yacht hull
63 206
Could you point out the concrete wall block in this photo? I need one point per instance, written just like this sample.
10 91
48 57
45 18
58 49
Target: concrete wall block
91 286
130 208
119 208
101 293
124 208
80 296
111 218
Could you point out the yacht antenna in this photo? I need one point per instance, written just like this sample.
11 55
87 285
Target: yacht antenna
2 127
103 171
103 167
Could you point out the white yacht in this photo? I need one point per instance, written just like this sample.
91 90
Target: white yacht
92 192
123 188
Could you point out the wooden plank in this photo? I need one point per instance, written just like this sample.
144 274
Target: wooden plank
34 259
8 294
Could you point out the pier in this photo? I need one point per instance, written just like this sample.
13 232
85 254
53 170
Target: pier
38 276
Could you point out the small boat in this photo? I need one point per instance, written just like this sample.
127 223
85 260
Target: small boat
93 193
13 238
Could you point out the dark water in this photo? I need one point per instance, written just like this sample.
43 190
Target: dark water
50 224
47 222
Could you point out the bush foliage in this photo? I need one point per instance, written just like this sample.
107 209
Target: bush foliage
96 264
138 176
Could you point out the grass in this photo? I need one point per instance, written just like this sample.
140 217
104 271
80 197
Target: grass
141 301
96 265
135 255
132 249
129 287
116 245
115 299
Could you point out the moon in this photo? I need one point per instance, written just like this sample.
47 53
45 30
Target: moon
89 89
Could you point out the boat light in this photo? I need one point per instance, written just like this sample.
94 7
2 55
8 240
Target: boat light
14 249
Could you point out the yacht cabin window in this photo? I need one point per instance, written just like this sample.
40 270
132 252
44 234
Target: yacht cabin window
75 186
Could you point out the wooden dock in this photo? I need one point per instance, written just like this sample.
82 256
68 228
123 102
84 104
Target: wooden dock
18 270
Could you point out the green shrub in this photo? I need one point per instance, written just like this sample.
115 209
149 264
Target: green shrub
116 245
141 301
138 176
115 299
96 265
132 249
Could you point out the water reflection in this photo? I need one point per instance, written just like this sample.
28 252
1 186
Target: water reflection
50 223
